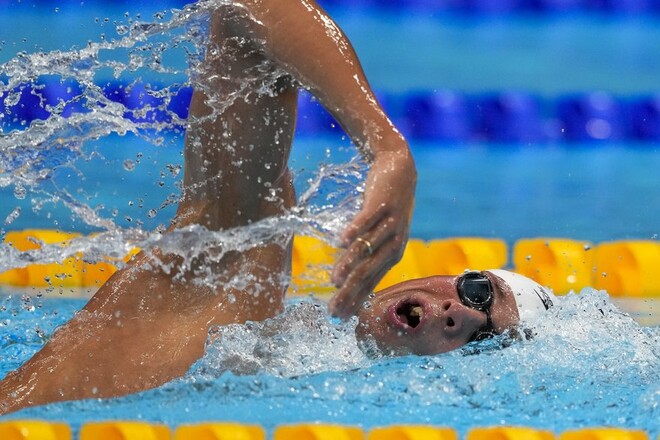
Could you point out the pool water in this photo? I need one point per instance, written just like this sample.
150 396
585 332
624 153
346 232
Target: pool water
588 364
510 192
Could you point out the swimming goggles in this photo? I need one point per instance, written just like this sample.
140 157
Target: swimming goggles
476 291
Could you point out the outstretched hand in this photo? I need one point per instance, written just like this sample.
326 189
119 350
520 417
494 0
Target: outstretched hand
377 236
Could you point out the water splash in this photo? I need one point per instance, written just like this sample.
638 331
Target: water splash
128 86
284 346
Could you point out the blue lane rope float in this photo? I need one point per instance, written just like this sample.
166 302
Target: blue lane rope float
437 116
592 116
466 7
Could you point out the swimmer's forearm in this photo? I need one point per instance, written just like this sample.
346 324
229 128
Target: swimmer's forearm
309 45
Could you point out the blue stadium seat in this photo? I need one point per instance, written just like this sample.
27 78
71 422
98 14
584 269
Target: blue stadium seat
591 117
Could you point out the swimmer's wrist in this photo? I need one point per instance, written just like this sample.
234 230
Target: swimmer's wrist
394 148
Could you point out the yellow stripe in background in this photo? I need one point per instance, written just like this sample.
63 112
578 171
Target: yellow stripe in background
623 268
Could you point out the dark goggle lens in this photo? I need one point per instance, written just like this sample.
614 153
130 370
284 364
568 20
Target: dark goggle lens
475 290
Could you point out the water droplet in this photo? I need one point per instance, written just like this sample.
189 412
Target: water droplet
173 169
19 192
152 213
129 165
13 215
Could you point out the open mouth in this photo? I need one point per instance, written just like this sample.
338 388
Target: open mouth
410 313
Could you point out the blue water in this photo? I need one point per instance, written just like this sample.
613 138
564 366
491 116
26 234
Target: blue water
510 192
589 364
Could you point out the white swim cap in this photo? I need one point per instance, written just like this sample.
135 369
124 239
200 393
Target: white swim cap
531 298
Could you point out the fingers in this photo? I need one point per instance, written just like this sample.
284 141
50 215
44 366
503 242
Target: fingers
364 221
361 281
364 263
362 248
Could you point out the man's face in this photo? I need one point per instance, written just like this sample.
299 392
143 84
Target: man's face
425 316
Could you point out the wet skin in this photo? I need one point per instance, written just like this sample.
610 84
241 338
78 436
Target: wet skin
425 316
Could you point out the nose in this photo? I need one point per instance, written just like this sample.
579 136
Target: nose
458 320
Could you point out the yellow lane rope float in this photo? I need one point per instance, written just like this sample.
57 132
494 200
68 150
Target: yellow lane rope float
135 430
623 268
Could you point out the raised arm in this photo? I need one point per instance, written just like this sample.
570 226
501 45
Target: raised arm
310 46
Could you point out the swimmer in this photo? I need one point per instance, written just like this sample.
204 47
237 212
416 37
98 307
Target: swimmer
149 322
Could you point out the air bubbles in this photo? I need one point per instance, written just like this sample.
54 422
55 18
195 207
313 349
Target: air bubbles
305 342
